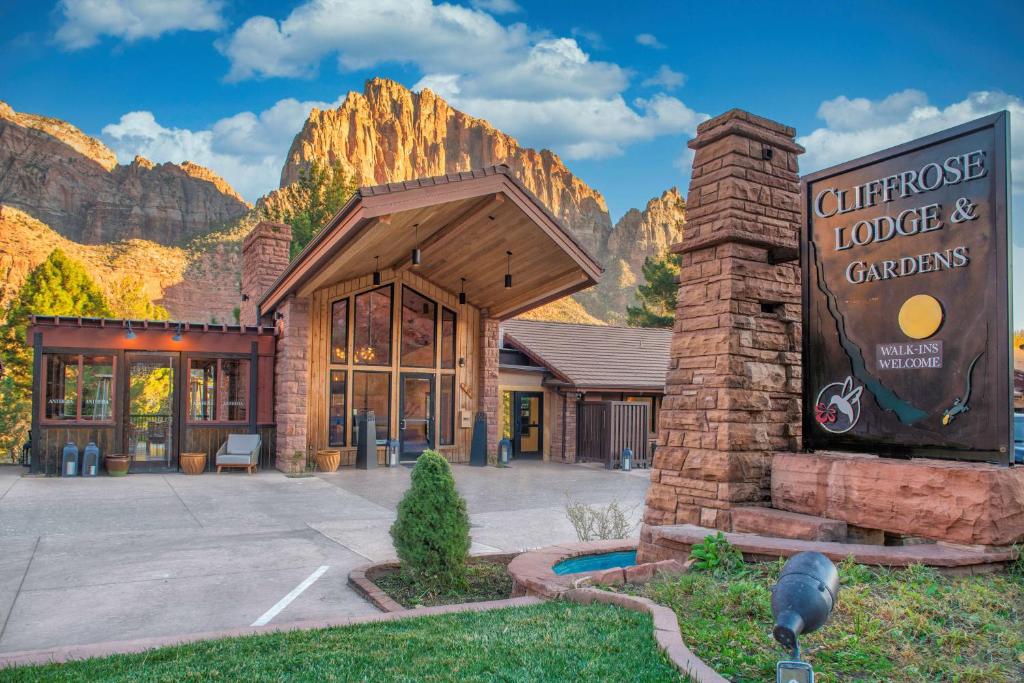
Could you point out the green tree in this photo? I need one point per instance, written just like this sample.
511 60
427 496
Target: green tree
57 286
431 533
320 191
128 299
657 298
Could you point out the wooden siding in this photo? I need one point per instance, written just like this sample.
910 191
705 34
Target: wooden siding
466 344
53 438
604 428
200 439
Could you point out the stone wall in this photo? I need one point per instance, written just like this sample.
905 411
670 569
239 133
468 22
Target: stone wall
733 385
564 407
265 255
490 343
291 384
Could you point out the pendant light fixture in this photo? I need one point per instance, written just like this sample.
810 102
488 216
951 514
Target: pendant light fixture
177 334
462 292
376 271
508 271
130 334
416 256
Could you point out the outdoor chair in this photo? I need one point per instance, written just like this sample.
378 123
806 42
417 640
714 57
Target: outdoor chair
240 450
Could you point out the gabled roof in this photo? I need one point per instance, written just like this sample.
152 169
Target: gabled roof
465 225
595 356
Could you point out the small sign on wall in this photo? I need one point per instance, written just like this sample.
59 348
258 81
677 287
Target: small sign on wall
906 262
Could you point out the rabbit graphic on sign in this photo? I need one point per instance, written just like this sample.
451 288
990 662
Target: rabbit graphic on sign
837 408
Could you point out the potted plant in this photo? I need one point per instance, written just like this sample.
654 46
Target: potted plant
192 463
117 464
327 460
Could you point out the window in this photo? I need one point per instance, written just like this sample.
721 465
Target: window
339 331
78 387
372 334
447 339
372 391
652 409
218 390
419 315
447 427
337 413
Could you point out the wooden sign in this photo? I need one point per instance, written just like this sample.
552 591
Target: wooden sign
906 262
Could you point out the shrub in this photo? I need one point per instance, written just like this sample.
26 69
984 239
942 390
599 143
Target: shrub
596 523
431 533
716 555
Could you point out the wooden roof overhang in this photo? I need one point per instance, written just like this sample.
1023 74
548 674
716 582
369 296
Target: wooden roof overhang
463 224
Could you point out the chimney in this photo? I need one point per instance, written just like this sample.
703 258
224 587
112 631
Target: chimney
265 255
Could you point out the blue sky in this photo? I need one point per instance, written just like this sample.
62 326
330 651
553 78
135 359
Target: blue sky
615 88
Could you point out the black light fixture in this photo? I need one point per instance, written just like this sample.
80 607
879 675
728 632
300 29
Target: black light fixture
417 257
803 599
245 297
462 292
508 271
130 334
376 271
177 333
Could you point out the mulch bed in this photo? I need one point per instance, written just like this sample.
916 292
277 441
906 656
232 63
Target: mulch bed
487 580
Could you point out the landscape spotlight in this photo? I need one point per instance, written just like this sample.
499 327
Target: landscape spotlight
804 597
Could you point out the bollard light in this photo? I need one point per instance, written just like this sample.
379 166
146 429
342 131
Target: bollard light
393 453
627 459
803 599
504 452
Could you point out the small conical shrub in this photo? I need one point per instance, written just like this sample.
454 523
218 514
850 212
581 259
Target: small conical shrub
431 533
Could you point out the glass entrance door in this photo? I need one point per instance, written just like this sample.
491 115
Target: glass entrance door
528 413
149 429
416 415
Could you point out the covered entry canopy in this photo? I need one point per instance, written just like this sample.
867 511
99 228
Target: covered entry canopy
463 224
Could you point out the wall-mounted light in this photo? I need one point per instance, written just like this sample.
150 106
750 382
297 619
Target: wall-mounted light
508 271
462 292
462 362
177 333
278 315
767 153
417 257
376 271
130 334
245 297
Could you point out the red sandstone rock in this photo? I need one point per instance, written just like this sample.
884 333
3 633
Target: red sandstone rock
641 573
959 502
609 577
771 522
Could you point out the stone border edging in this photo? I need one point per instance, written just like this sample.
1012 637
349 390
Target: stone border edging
532 574
58 655
361 580
666 630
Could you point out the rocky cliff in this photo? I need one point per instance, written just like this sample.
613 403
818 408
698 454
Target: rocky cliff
388 133
196 285
73 183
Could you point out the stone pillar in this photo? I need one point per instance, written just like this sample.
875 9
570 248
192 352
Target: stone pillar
733 384
490 342
265 255
291 384
566 421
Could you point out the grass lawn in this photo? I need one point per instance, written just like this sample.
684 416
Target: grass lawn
555 641
487 581
892 626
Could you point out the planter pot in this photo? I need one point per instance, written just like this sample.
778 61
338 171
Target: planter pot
327 460
117 465
192 463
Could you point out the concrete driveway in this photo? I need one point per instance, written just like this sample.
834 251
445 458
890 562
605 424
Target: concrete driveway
92 560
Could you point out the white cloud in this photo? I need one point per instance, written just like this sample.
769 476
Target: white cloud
247 149
649 40
497 6
666 78
855 127
546 90
84 21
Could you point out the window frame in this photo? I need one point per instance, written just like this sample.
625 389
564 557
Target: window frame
219 358
78 420
345 372
391 327
435 356
352 408
455 339
440 409
349 305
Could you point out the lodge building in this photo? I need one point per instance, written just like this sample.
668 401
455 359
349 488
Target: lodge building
396 307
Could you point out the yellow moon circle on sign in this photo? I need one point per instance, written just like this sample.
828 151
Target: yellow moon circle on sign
920 316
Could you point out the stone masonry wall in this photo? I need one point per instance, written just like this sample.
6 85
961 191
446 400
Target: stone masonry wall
291 384
265 255
733 385
489 397
564 421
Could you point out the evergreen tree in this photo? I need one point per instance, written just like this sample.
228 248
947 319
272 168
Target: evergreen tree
320 191
657 298
57 286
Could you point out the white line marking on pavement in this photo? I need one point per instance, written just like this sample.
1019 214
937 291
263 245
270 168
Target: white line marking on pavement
286 600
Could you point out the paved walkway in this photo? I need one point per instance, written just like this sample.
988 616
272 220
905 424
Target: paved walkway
92 560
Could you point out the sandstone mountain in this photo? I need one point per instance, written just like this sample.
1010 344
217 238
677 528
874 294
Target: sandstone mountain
192 284
388 133
73 183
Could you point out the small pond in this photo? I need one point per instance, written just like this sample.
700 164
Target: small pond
593 563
